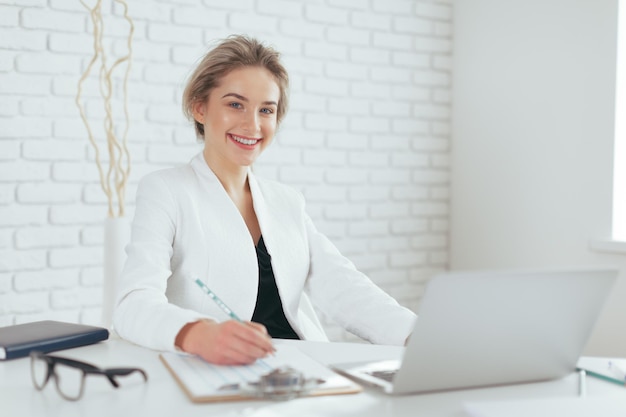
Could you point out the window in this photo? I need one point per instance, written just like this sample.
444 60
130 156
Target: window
619 162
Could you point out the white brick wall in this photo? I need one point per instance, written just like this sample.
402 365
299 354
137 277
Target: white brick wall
366 139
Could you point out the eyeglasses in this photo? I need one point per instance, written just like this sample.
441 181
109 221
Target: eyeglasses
69 374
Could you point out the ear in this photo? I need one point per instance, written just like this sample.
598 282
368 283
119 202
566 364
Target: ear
199 109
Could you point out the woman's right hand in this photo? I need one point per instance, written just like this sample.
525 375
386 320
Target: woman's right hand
227 343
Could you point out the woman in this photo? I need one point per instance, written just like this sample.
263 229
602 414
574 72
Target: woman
249 240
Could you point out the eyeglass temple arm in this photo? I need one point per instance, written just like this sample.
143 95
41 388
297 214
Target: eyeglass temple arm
111 373
86 367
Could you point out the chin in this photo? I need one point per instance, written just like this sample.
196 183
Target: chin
245 163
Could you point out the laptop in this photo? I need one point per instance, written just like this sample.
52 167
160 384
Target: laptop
478 329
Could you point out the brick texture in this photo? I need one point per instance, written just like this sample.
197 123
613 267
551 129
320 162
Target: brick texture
366 139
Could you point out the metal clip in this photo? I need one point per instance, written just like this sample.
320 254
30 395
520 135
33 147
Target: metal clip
284 383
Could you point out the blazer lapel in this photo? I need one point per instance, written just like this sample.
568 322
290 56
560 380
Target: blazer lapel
284 243
232 268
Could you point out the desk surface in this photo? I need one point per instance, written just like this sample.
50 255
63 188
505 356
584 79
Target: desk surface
161 396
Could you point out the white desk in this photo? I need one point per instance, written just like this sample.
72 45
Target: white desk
161 396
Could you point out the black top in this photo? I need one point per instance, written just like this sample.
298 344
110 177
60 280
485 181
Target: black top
269 309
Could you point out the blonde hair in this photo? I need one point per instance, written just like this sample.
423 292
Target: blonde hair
236 51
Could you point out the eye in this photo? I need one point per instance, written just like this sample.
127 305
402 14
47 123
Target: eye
235 105
267 110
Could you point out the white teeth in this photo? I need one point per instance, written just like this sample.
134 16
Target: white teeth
244 141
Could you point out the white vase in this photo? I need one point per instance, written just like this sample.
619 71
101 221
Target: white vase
116 237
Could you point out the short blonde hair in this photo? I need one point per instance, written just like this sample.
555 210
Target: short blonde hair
236 51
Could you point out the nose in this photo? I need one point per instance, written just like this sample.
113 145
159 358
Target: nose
251 123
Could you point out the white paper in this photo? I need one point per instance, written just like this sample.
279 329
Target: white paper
203 379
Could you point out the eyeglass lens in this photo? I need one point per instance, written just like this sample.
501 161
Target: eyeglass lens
69 380
69 374
39 371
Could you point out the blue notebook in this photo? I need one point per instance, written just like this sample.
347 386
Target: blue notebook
46 336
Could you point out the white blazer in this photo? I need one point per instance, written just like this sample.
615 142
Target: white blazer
186 227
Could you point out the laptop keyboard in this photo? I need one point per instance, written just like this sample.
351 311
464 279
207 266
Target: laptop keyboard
386 375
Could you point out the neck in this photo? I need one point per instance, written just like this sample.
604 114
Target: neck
234 178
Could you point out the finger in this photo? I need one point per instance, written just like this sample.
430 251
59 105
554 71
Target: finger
230 349
265 333
219 343
257 326
234 356
247 340
262 337
258 339
244 351
229 357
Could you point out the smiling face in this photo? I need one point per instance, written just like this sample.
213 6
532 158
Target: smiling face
239 117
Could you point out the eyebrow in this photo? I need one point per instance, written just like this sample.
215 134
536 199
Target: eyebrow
242 98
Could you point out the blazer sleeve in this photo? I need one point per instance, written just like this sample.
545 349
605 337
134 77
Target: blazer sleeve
350 298
143 314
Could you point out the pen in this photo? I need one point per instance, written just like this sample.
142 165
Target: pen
217 300
582 383
222 305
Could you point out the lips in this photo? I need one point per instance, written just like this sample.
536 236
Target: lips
243 140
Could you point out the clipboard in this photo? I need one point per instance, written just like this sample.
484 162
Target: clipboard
204 382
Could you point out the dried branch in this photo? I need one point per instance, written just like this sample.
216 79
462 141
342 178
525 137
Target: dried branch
113 183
